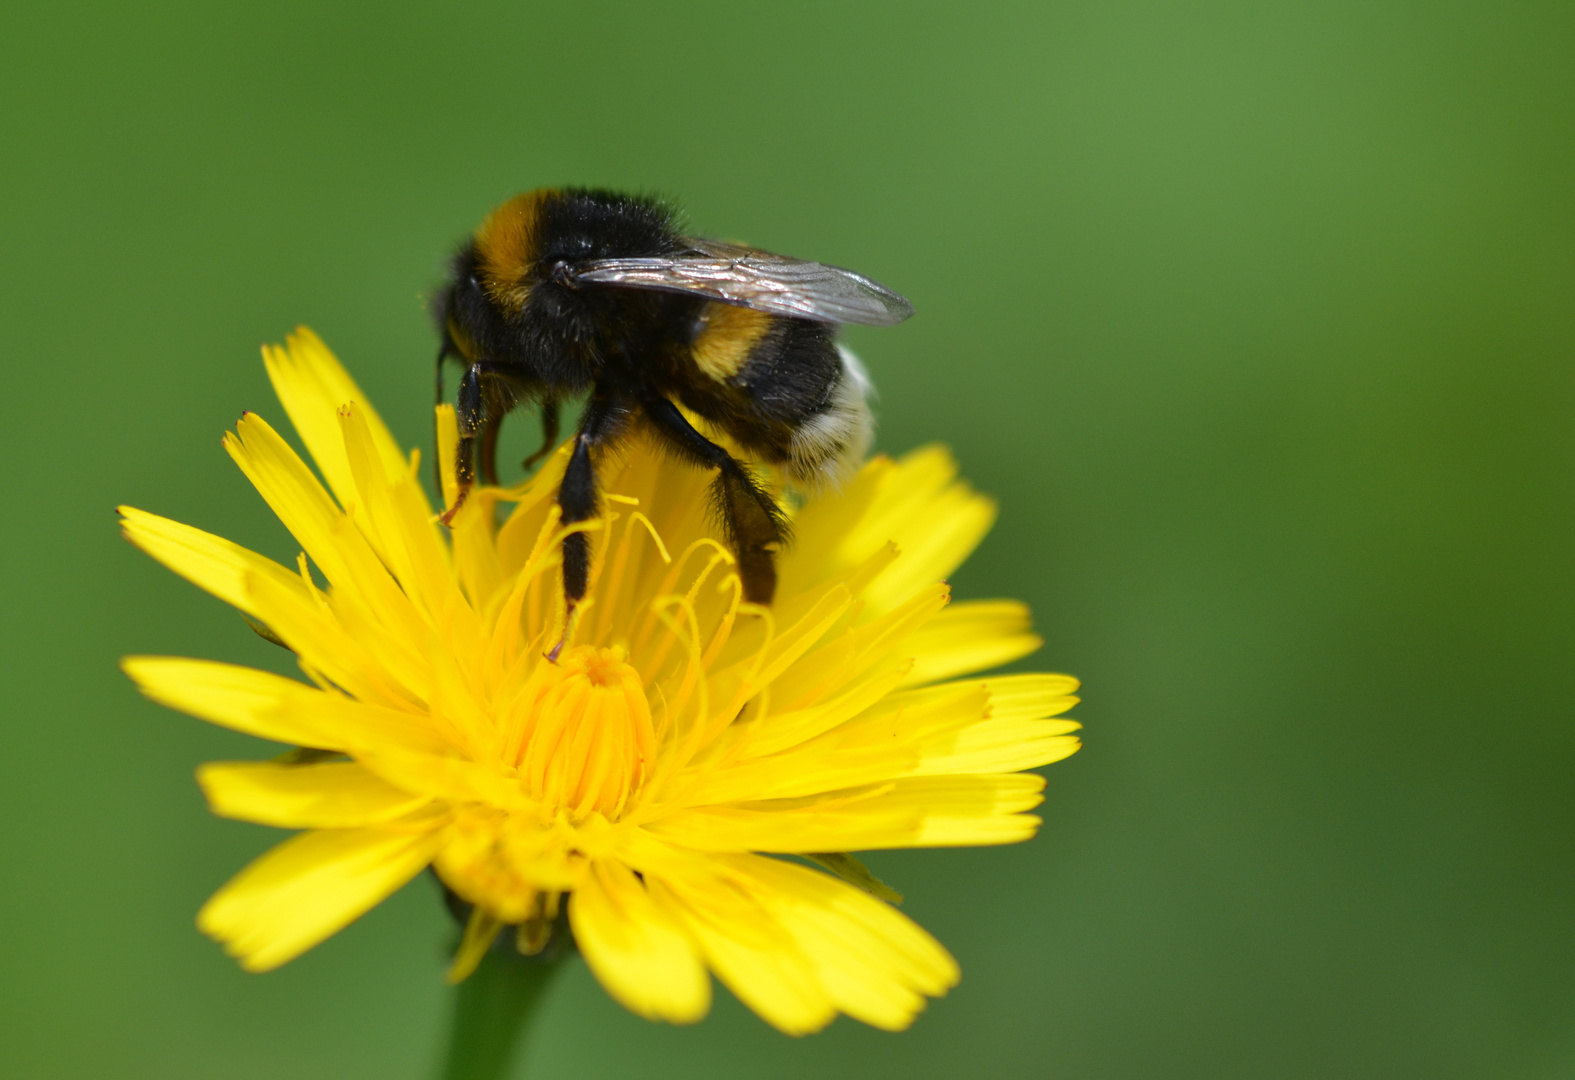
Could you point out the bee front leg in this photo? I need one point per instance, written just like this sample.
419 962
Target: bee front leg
445 350
751 519
468 413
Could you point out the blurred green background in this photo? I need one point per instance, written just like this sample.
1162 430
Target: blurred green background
1258 319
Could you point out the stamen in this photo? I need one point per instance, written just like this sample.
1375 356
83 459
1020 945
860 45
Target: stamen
538 551
659 655
620 564
669 584
724 629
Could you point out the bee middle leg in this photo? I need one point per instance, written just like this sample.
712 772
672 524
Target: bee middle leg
549 433
499 395
491 426
496 407
751 519
604 419
471 414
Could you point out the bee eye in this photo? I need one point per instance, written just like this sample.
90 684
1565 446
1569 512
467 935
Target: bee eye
562 275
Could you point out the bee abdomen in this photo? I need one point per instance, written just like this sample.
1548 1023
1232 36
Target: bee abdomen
830 443
797 397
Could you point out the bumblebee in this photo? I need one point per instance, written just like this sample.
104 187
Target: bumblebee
569 293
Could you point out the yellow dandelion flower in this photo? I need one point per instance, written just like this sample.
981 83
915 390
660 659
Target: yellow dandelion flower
653 776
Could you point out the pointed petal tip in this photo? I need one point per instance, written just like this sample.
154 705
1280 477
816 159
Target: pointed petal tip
136 663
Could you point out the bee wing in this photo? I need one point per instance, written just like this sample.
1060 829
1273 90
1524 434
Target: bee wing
756 279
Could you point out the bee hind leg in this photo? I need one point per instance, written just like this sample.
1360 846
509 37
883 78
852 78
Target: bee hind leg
751 519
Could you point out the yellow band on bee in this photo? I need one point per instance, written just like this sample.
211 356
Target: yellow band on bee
506 246
730 335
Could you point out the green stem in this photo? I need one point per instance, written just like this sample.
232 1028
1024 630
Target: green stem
492 1009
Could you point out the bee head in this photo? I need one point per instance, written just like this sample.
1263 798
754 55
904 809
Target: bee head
508 249
513 296
505 301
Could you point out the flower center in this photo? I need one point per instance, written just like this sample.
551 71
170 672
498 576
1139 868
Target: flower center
584 739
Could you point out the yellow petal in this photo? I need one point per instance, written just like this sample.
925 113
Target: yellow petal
274 707
781 731
969 810
446 776
481 930
635 949
877 965
342 640
917 502
207 561
364 590
312 385
844 660
1029 697
999 746
789 829
393 511
748 949
904 499
289 488
820 551
971 636
1017 731
927 811
889 740
941 730
309 887
333 795
933 548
